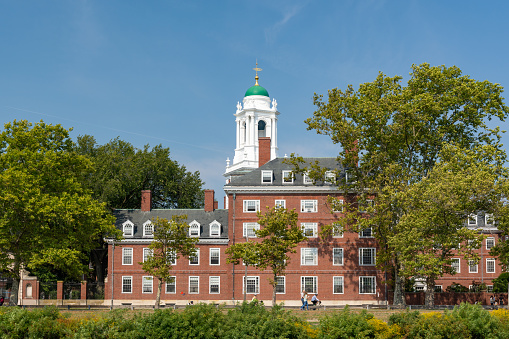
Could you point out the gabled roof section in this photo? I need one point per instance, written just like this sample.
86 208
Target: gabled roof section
277 166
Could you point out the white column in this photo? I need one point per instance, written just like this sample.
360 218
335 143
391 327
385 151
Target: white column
238 133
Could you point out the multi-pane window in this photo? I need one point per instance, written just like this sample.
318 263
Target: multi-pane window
438 288
338 205
147 284
127 256
266 177
489 289
365 204
472 220
367 256
214 285
215 229
490 265
337 256
337 231
330 177
252 285
171 285
171 258
249 228
251 206
194 229
309 206
128 228
127 284
366 233
367 285
488 219
147 253
307 179
455 265
214 256
195 259
309 256
338 285
194 285
280 285
287 177
309 284
310 229
472 266
280 204
490 242
148 229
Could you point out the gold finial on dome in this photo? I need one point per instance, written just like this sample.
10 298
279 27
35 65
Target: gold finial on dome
257 69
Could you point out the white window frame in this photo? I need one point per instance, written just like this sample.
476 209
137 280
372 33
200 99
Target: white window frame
439 288
339 203
195 256
456 265
281 284
371 253
334 261
174 256
489 221
472 268
172 282
214 229
309 206
266 177
215 280
364 205
336 233
147 252
128 228
489 288
194 229
127 256
362 280
194 280
304 283
307 253
365 234
250 204
280 203
211 255
127 281
255 282
307 180
309 229
338 281
248 229
472 220
147 284
285 175
148 229
490 242
330 177
490 265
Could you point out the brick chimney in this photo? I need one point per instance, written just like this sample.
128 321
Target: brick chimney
263 151
146 200
209 200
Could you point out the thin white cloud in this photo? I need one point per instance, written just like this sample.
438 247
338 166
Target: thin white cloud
288 13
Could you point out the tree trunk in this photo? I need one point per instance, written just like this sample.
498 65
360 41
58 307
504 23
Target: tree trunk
274 291
429 296
158 294
399 287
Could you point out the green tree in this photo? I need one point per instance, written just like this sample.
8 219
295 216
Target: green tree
501 284
277 237
47 217
391 137
170 241
123 171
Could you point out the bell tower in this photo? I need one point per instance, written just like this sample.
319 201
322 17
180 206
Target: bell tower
256 117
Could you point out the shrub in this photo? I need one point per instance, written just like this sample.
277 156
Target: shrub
405 320
437 326
500 283
346 324
479 321
455 287
41 323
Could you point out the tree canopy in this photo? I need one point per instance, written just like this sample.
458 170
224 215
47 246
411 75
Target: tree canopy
392 136
123 171
47 217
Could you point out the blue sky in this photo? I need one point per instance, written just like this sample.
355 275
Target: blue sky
171 72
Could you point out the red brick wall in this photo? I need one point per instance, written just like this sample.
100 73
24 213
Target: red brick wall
209 200
263 151
146 200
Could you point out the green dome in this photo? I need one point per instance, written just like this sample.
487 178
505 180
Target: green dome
257 90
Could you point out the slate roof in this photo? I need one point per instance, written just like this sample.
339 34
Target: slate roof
138 218
277 165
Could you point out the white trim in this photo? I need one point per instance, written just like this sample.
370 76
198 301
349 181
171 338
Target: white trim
491 260
125 256
146 279
472 268
266 174
246 229
308 252
373 278
218 284
213 225
311 226
174 283
247 205
193 226
286 172
342 284
303 284
197 279
372 256
342 256
147 252
146 225
130 277
257 284
280 203
305 206
459 264
128 223
284 284
218 256
197 256
490 239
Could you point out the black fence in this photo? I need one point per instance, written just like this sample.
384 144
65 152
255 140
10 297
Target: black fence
72 290
95 291
48 290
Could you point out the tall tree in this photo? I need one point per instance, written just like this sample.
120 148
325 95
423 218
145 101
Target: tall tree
391 137
47 217
123 171
170 241
277 237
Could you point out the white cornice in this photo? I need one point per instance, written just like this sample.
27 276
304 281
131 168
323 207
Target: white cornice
140 241
277 189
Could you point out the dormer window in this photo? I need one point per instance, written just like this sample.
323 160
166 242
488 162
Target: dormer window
307 179
266 177
330 177
287 177
128 228
488 219
472 220
194 229
215 229
148 229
